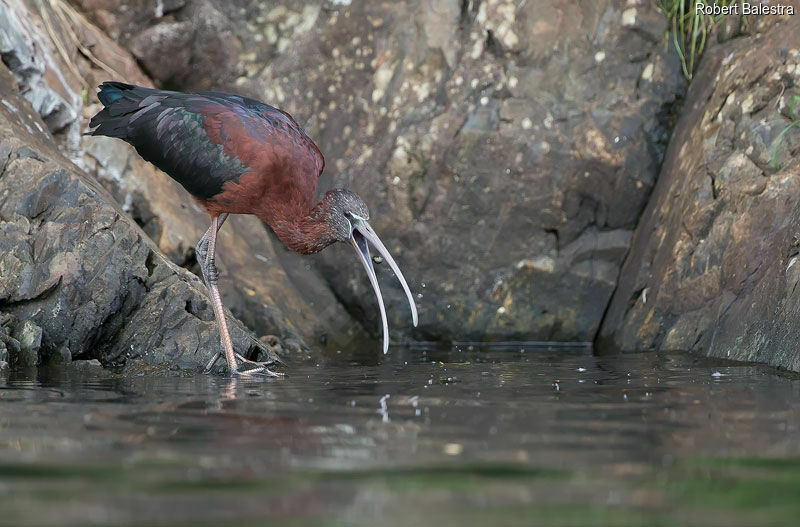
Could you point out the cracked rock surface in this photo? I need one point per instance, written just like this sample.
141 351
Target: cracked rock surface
714 262
506 148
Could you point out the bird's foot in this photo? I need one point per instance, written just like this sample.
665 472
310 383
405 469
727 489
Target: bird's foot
257 372
256 367
252 367
268 344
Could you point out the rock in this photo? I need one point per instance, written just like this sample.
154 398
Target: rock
506 176
9 346
91 367
165 51
476 146
78 273
51 94
29 336
5 337
60 357
178 43
712 268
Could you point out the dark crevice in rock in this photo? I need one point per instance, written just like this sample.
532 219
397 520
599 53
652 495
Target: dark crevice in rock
25 152
10 59
149 262
492 46
794 247
554 232
714 190
201 309
469 9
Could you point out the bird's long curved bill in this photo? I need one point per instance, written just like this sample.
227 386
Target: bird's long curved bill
362 233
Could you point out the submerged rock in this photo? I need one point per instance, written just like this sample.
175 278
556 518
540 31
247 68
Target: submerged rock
713 266
29 336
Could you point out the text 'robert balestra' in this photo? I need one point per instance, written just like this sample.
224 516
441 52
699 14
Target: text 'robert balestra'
743 8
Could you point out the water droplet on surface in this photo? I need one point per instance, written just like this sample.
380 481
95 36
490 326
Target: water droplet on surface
453 449
384 409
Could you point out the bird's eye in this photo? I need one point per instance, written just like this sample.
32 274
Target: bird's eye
348 215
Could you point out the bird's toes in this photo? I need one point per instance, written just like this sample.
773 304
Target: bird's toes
257 372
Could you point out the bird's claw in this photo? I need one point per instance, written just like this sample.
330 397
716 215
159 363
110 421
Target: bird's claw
257 367
260 368
260 371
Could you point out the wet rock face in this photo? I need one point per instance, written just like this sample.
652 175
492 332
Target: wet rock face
713 266
52 97
505 155
78 277
178 42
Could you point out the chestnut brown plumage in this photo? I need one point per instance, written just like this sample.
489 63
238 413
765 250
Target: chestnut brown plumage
236 155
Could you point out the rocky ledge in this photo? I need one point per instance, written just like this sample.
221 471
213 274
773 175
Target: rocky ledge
713 266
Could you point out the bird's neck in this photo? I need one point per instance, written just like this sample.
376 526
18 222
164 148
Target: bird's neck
306 234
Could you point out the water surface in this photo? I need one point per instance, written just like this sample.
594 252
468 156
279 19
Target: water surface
514 436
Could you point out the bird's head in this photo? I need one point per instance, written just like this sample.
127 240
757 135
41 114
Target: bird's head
348 218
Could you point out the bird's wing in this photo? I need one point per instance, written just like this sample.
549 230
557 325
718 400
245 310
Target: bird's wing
206 140
264 138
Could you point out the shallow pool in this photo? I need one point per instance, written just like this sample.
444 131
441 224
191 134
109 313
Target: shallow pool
511 436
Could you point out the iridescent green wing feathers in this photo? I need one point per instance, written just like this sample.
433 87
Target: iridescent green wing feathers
169 130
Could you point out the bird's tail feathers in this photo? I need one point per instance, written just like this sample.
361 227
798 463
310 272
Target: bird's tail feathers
110 92
119 101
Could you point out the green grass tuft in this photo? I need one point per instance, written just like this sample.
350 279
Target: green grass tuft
795 123
688 30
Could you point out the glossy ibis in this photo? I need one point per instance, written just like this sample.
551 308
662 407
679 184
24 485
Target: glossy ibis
236 155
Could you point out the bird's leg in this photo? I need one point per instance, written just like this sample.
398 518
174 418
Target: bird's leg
201 250
206 250
207 247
